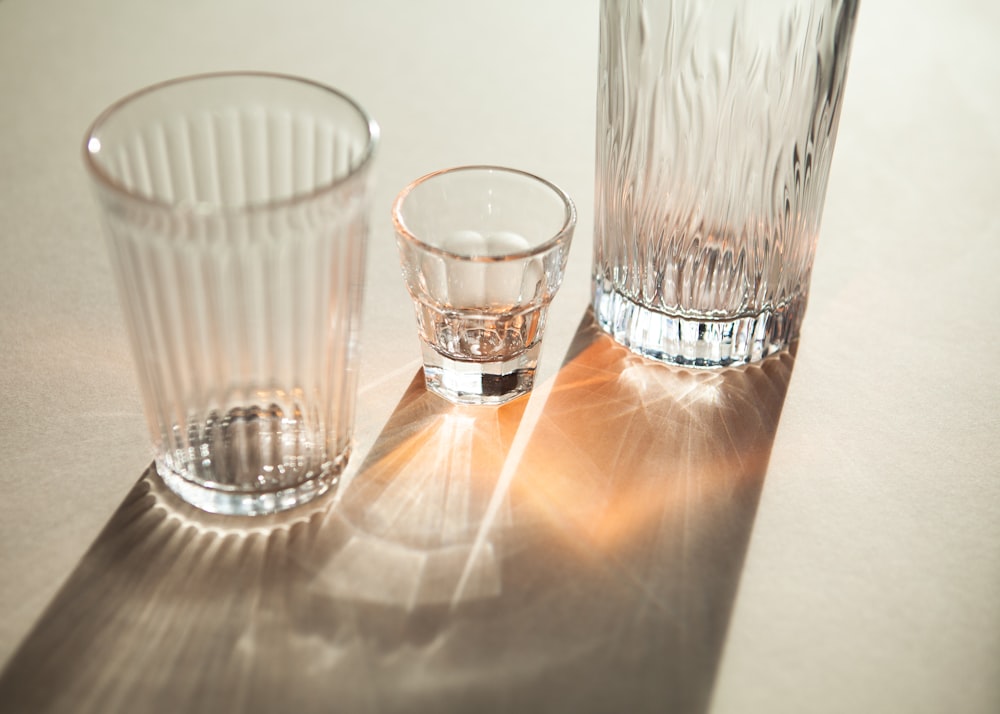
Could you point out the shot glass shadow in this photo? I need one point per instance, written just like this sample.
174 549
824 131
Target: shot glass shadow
423 520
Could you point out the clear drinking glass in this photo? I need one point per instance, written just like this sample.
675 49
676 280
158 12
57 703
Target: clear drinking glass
483 251
236 210
716 128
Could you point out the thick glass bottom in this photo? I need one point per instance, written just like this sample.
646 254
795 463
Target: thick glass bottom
246 503
692 342
251 459
480 383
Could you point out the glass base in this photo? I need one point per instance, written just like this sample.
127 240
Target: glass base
246 503
480 383
693 342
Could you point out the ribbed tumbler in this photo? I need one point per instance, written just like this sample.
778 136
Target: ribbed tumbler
236 209
716 125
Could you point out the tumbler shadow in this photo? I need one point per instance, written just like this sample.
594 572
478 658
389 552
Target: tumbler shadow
647 478
168 611
301 611
576 551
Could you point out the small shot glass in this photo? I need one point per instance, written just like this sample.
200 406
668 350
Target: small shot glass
483 252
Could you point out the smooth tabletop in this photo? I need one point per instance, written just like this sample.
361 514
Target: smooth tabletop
816 533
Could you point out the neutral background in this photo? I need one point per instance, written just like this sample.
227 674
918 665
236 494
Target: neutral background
871 580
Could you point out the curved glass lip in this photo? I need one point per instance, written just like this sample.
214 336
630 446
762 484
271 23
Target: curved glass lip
564 233
105 180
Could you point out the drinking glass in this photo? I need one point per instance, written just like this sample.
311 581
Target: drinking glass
483 251
236 213
716 125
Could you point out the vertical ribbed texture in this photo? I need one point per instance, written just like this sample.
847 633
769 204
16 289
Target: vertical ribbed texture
716 125
244 322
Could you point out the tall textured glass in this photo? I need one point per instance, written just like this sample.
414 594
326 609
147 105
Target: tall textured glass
236 209
716 125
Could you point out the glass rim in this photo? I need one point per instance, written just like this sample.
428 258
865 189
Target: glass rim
562 235
209 208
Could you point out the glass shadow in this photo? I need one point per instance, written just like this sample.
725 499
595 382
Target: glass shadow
576 551
645 480
167 611
421 522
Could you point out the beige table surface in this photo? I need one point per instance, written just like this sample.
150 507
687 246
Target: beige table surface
631 538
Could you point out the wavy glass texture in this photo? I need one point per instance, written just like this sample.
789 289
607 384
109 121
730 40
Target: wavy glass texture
240 273
716 128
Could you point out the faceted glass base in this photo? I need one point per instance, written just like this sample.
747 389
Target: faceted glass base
480 383
693 342
246 503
